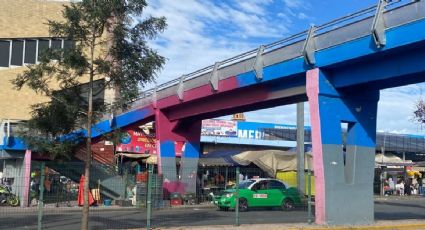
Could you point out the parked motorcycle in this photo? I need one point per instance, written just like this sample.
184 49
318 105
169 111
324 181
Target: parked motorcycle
7 197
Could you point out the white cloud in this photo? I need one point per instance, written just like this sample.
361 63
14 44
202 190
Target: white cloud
254 6
203 32
200 33
395 111
301 15
295 4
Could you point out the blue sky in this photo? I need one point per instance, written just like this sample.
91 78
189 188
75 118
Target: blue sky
201 32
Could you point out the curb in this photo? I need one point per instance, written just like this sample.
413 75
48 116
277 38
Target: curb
387 225
376 227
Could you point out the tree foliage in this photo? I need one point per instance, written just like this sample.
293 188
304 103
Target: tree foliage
419 113
110 43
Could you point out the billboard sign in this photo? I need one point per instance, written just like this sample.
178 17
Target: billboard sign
138 140
213 127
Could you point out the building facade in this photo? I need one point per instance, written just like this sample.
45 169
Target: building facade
24 35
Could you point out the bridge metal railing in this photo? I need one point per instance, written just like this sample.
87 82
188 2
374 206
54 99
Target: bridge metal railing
371 20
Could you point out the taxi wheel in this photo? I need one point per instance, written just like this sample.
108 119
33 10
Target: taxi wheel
287 205
243 205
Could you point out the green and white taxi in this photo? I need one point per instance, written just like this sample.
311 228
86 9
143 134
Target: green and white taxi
261 192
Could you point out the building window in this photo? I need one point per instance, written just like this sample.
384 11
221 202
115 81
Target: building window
17 52
56 44
30 51
4 53
43 45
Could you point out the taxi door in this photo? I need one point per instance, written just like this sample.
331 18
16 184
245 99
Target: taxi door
260 195
276 192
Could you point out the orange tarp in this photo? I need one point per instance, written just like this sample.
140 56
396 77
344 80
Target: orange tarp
81 193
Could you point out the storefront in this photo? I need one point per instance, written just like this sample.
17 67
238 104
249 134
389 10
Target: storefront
13 171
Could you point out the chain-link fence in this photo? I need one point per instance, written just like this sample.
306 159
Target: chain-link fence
136 195
51 196
262 198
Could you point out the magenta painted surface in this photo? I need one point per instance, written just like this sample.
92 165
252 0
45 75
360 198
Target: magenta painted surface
27 174
203 99
178 132
220 102
312 87
228 84
198 93
163 129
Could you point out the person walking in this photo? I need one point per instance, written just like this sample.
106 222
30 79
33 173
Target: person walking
68 187
423 186
391 186
402 188
407 187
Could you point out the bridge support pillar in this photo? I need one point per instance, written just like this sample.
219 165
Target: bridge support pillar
165 147
343 181
191 132
168 134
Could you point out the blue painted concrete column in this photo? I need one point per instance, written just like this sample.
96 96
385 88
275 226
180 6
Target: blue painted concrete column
344 184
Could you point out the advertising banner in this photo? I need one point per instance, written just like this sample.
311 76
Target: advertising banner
214 127
138 140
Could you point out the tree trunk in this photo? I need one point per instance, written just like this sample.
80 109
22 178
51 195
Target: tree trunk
85 217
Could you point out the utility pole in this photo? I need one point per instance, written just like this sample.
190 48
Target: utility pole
300 148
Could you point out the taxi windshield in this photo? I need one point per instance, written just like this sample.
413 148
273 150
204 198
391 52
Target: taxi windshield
246 183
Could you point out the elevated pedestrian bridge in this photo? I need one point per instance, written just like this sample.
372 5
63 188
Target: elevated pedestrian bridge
338 67
370 49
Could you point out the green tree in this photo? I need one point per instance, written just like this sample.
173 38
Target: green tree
110 43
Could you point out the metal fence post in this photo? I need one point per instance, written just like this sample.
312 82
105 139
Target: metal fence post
149 198
226 177
310 220
41 197
125 182
237 223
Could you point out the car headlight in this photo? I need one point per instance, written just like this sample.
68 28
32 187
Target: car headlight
228 195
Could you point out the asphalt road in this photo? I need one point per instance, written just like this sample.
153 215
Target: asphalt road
65 219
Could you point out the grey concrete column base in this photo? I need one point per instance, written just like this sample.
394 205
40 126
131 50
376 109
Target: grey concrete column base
349 187
189 173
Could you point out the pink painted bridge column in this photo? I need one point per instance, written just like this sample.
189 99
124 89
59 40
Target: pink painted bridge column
319 176
27 175
343 179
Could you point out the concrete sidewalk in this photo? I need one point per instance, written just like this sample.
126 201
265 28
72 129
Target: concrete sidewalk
384 225
397 197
